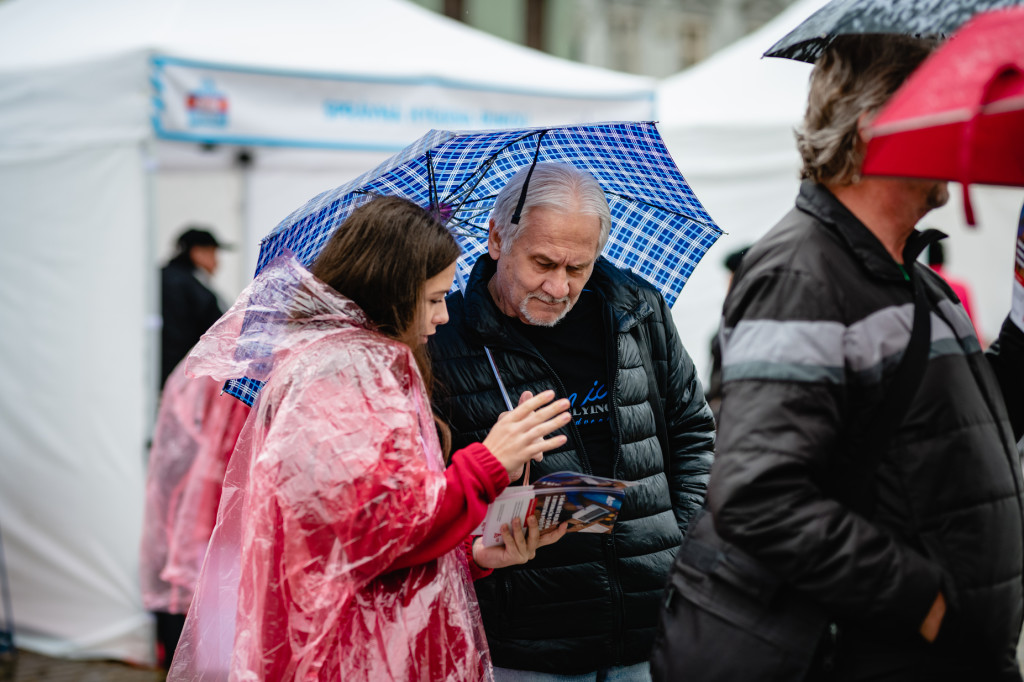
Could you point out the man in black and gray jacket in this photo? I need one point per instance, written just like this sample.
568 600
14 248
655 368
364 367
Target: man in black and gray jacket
556 315
910 540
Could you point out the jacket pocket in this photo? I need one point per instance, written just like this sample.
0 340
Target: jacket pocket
726 618
721 580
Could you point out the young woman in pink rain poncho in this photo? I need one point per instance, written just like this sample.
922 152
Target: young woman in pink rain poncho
339 551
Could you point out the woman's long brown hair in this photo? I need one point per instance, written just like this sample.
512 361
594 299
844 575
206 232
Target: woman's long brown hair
380 257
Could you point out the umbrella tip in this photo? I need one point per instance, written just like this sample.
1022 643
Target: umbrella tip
443 212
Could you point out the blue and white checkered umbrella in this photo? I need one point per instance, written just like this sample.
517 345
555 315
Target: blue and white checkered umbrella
660 231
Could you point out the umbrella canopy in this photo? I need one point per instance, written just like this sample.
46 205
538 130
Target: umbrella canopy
659 229
960 116
923 18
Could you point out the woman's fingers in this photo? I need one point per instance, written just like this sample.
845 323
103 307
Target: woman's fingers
519 544
541 411
540 404
553 423
519 436
553 536
532 535
515 542
550 410
525 546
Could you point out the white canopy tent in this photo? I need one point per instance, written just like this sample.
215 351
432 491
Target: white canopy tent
119 121
730 120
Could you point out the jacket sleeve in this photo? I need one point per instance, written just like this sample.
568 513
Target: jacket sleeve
690 425
1006 357
474 477
783 414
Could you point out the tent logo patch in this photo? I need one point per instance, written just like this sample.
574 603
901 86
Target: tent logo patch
207 106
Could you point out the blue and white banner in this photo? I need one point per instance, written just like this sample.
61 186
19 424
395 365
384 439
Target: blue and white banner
222 104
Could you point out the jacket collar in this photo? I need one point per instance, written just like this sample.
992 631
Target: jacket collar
620 294
816 200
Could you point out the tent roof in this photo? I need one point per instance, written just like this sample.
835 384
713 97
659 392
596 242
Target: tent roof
736 87
328 36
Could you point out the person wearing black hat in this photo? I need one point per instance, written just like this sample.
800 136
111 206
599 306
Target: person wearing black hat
188 304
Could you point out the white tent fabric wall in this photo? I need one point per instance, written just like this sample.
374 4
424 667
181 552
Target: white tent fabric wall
91 200
72 427
729 123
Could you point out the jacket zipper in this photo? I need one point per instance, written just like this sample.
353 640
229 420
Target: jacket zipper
615 407
613 574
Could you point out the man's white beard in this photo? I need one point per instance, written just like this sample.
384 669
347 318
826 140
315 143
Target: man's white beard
546 299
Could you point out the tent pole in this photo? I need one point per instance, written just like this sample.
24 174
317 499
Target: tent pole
151 290
8 654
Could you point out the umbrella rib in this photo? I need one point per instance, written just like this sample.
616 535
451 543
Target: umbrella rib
431 187
660 208
462 190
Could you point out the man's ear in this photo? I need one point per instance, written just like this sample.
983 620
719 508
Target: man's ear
862 124
493 241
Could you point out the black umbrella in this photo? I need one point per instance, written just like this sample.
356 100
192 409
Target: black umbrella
922 18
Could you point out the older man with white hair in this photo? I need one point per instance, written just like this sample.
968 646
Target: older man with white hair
554 314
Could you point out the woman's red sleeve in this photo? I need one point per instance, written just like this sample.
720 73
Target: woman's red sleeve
474 477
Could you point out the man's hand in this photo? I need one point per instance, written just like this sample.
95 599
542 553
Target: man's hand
933 621
519 547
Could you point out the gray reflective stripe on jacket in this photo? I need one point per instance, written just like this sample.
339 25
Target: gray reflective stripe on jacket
801 350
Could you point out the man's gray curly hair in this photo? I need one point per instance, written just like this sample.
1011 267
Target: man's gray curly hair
856 74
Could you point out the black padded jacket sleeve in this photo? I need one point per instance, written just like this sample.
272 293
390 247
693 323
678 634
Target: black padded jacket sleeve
1006 357
691 429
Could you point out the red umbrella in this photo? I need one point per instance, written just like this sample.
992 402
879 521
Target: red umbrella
960 116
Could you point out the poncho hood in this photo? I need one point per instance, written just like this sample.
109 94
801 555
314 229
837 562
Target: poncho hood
281 311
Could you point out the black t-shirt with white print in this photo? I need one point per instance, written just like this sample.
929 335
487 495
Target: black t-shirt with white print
575 348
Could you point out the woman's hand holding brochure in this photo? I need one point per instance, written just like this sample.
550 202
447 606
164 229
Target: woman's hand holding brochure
518 546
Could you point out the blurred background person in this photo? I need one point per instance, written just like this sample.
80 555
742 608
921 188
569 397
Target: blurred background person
188 303
195 433
937 262
196 430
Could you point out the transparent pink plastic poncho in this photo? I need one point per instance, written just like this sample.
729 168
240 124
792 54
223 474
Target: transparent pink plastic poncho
196 430
337 474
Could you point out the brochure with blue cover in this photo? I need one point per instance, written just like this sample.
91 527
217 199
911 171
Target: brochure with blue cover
590 504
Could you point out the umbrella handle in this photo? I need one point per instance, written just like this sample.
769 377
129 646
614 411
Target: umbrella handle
518 213
970 130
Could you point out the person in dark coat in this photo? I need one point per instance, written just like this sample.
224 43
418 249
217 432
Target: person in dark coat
714 390
188 304
554 314
918 560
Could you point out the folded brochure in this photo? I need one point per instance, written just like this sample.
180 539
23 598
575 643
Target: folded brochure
589 503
